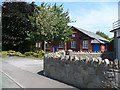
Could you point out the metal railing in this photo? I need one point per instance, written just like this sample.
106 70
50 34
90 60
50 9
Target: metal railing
116 24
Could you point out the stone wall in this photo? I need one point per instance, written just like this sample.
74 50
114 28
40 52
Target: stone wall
80 73
108 55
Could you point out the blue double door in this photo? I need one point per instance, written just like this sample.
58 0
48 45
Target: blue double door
96 47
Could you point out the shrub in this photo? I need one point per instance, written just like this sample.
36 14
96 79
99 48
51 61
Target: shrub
29 53
3 54
41 52
10 51
36 55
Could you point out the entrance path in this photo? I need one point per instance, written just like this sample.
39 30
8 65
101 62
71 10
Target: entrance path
24 71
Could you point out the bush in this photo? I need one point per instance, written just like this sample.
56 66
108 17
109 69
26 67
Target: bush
3 54
29 53
41 52
36 55
11 51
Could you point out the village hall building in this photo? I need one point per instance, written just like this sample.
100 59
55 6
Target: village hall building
82 40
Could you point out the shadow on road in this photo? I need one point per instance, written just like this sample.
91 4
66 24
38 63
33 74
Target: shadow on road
40 73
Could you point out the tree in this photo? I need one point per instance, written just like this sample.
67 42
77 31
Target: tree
50 24
16 24
103 35
111 43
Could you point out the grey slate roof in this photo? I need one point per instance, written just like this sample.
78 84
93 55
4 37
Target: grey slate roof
93 35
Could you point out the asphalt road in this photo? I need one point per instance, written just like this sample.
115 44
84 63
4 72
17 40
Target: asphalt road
6 82
23 73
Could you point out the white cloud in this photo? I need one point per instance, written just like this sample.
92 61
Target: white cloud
94 20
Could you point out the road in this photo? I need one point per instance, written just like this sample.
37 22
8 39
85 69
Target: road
23 73
6 82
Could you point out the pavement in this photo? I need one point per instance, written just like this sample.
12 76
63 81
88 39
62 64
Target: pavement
6 82
23 73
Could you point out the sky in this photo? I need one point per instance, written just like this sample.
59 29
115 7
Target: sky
91 15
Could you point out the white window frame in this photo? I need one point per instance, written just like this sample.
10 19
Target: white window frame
73 35
73 44
61 45
85 44
38 45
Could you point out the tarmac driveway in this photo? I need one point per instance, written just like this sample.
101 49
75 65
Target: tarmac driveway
23 72
26 64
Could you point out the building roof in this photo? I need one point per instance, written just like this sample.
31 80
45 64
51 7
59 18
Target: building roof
115 29
93 35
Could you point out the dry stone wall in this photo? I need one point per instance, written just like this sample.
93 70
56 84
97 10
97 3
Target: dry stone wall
81 73
108 55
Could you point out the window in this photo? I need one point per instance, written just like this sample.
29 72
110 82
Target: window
73 35
73 44
85 44
38 45
60 45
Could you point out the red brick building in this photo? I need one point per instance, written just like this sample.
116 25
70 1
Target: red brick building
82 40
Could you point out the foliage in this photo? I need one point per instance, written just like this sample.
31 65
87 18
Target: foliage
23 24
10 52
50 24
39 54
29 53
15 24
35 54
102 34
14 53
3 54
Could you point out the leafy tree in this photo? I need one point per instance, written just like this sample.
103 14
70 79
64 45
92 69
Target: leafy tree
50 24
103 35
16 24
111 43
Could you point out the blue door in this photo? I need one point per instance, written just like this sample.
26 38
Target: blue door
54 49
96 47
